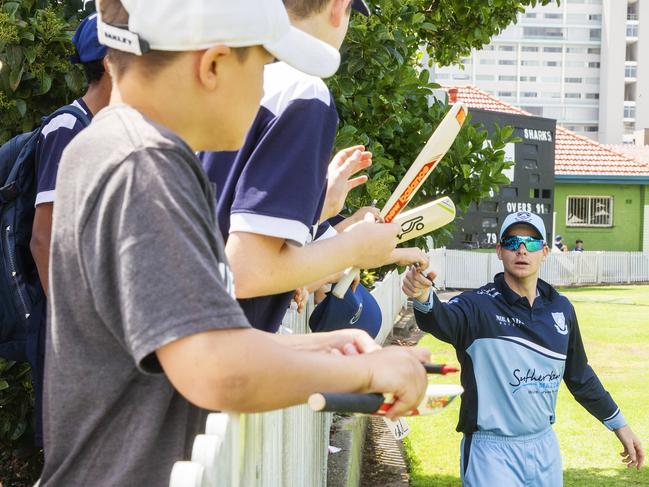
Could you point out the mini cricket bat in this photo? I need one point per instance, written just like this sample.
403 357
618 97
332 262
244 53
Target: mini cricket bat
433 152
437 397
425 218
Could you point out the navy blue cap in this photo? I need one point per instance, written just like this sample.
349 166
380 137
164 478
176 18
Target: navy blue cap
356 310
86 42
361 7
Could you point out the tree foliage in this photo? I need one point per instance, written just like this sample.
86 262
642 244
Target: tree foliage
384 96
36 76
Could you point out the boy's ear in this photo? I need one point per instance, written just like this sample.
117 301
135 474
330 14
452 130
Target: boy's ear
499 251
339 10
210 62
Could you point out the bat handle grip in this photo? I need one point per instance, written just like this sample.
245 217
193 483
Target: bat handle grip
343 284
346 402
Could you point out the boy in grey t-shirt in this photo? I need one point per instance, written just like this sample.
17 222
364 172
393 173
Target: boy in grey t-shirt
144 331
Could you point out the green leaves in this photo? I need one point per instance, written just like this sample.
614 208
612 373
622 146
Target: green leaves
36 76
383 95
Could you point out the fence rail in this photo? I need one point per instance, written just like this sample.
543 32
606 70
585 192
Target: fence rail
288 447
463 269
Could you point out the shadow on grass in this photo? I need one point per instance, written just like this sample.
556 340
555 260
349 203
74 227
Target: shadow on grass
589 477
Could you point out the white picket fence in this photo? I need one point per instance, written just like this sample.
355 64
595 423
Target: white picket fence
287 447
462 269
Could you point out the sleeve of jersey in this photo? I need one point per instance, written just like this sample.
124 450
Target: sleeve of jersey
49 155
586 387
281 188
448 322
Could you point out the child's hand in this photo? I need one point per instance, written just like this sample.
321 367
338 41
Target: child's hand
416 286
410 256
301 296
342 167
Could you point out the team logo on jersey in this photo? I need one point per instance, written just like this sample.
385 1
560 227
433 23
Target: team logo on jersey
560 323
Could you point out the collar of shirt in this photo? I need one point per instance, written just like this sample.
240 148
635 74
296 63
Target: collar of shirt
543 290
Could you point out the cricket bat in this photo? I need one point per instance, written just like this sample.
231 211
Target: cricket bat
437 397
425 218
437 146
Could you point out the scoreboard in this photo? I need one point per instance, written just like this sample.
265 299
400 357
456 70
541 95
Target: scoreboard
531 178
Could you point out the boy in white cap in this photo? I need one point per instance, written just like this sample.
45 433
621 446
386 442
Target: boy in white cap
277 193
144 333
516 339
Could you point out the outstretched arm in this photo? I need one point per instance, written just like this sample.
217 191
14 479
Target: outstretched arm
447 322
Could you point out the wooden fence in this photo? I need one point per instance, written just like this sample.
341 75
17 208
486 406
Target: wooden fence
288 447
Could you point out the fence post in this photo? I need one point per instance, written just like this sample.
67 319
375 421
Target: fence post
628 268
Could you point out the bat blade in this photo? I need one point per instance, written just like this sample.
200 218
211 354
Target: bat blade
433 152
425 218
435 149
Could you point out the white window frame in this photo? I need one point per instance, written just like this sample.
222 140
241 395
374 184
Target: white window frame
589 198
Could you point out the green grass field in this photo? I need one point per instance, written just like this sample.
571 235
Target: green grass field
614 323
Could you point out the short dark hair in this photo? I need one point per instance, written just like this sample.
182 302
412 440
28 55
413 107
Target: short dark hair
93 70
579 241
114 13
305 8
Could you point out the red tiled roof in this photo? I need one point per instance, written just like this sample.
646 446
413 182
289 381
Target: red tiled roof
639 152
575 155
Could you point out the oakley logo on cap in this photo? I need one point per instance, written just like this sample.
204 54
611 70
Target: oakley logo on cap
523 215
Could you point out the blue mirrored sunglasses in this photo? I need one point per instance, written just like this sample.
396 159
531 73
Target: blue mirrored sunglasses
514 242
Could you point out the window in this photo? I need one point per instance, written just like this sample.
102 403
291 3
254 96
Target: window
573 95
573 80
504 77
595 17
596 34
487 61
461 77
632 30
534 110
629 112
505 48
589 211
552 49
485 77
592 96
546 32
505 93
574 64
576 50
591 128
441 76
552 16
529 94
594 50
630 71
530 49
591 81
552 63
507 62
530 15
593 65
529 62
488 48
528 78
553 94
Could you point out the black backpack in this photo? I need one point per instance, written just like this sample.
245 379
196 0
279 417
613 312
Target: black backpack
21 294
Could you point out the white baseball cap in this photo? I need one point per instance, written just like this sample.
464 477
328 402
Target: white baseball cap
525 218
192 25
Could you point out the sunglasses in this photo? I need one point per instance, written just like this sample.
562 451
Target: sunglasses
513 242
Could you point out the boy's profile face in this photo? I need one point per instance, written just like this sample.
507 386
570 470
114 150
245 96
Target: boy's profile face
239 92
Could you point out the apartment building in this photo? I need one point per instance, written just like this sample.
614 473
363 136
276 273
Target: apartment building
578 63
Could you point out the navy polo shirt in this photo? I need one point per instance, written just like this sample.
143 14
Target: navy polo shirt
55 137
514 356
276 184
